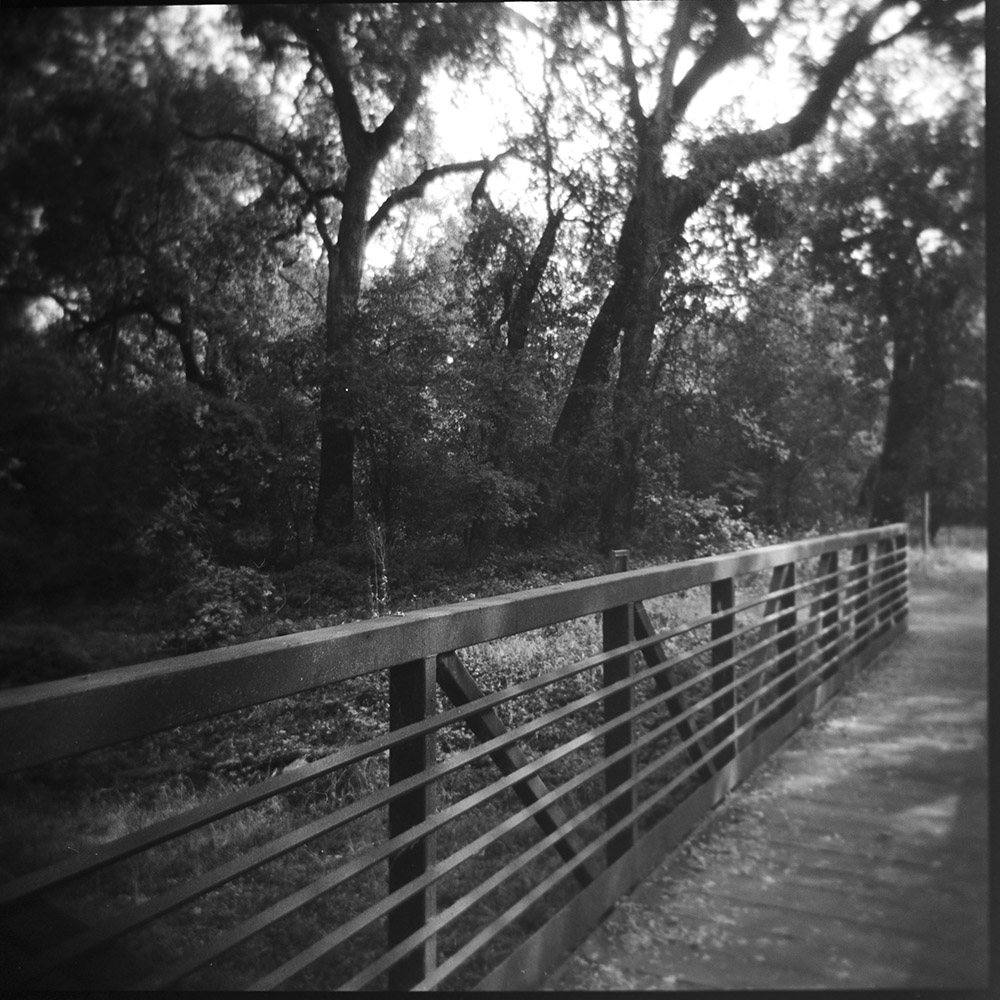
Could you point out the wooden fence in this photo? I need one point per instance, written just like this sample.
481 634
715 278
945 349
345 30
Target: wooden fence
494 820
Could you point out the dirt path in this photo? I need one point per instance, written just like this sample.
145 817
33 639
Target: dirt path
855 858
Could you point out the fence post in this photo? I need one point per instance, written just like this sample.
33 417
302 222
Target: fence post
829 607
885 549
618 629
412 698
860 595
902 546
925 525
723 598
786 642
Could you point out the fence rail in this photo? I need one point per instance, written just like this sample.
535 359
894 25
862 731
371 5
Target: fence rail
483 832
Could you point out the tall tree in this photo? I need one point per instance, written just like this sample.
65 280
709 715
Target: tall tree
110 213
365 74
710 37
896 226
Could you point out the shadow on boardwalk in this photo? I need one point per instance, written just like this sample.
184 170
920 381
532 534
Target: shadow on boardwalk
856 858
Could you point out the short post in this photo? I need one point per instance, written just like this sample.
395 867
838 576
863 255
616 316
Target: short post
723 598
412 698
618 630
829 606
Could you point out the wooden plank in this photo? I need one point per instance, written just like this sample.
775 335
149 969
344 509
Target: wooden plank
460 688
412 698
617 627
723 597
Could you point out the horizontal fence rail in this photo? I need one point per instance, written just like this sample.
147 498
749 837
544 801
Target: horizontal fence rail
518 783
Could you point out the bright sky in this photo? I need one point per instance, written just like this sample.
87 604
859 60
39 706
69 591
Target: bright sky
469 123
469 120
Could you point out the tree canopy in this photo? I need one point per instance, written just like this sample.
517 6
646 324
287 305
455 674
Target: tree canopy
259 300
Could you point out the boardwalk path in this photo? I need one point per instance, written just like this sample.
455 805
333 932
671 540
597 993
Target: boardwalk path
855 858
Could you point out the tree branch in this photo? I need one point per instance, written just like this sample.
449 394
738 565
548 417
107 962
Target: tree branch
313 195
730 43
416 189
631 81
720 158
664 116
324 39
391 129
288 164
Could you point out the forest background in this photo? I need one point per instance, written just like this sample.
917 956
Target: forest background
309 313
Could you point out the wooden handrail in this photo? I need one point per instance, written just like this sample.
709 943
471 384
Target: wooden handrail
713 696
43 722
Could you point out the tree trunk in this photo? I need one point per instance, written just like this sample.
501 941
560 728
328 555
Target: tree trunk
643 261
656 217
915 405
334 516
593 371
519 313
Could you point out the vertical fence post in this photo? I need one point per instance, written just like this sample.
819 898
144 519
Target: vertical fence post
618 630
925 526
902 546
829 613
412 698
885 549
723 598
786 642
860 596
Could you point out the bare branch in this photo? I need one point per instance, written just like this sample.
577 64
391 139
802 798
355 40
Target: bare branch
287 163
416 189
314 196
731 42
631 81
663 116
722 157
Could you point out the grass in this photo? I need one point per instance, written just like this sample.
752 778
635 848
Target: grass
63 808
958 550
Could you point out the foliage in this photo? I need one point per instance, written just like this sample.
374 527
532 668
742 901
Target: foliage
215 603
92 497
896 227
190 313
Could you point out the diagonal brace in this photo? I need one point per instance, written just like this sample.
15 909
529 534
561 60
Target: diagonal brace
654 655
461 688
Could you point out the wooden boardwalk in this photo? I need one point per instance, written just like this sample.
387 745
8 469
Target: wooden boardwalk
856 858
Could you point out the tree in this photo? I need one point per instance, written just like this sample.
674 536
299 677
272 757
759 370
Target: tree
365 74
896 226
133 232
715 36
136 274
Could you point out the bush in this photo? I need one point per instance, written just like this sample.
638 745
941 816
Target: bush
215 602
683 526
